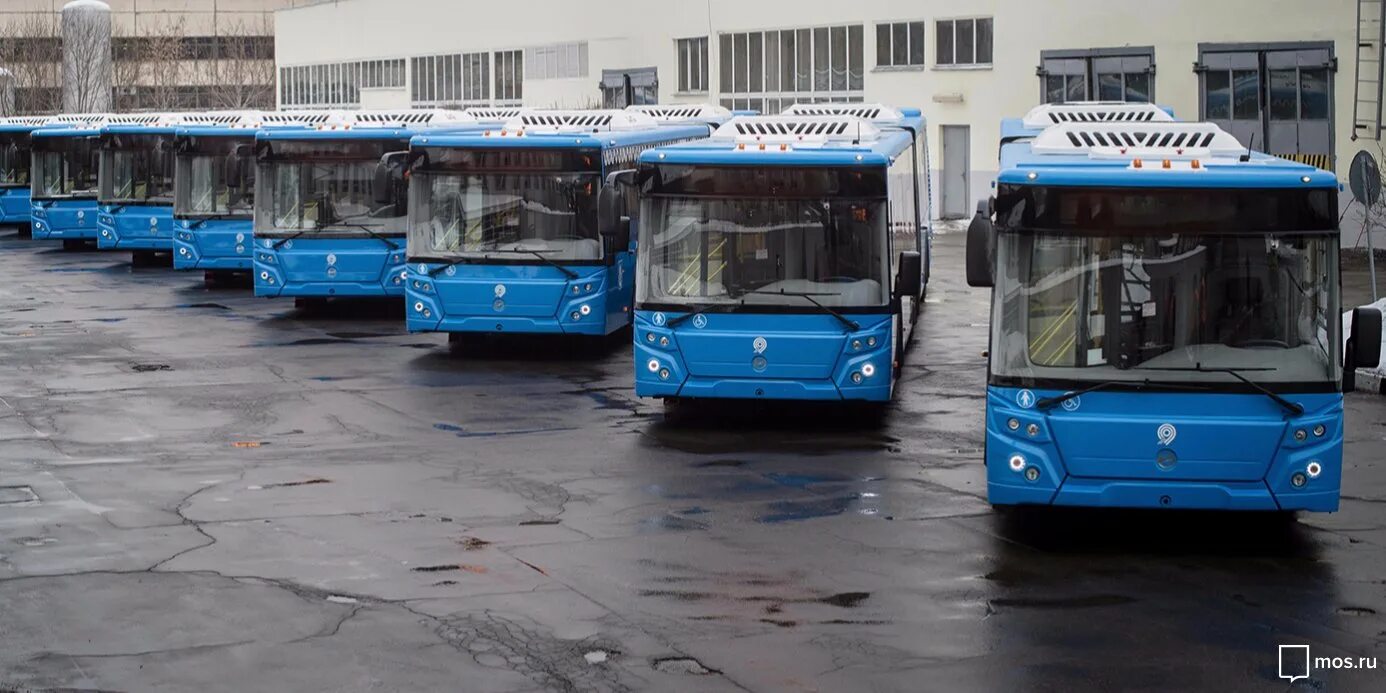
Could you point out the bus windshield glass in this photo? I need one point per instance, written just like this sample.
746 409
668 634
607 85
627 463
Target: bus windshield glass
1084 302
14 159
215 177
505 214
64 167
136 169
325 189
764 237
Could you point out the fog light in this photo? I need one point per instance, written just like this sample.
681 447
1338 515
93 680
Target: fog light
664 341
1032 474
870 341
183 252
1300 435
664 374
868 369
576 289
856 377
1319 430
264 275
587 287
585 309
1314 469
417 285
1032 430
426 287
428 313
1017 462
240 249
1013 424
856 344
650 337
653 365
574 315
418 307
1299 480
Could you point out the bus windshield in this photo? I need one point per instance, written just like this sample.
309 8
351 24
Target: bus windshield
487 215
215 177
14 159
1167 285
64 167
761 251
136 169
324 197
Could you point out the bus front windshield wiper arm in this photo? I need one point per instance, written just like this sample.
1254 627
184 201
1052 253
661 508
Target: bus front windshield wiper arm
370 232
701 308
280 243
539 254
450 263
202 221
846 321
1292 407
1048 403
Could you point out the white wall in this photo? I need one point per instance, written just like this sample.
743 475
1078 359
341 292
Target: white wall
628 33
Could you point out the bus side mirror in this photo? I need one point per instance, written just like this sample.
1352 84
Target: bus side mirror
613 225
980 254
1364 345
388 173
910 280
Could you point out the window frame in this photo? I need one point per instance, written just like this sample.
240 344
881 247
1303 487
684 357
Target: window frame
683 51
974 65
1090 56
907 66
802 44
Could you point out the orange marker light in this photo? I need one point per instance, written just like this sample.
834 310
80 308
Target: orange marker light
1165 164
1135 163
1195 165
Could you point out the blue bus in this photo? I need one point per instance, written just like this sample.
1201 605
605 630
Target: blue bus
14 169
784 258
324 225
214 188
504 223
135 184
63 179
1165 326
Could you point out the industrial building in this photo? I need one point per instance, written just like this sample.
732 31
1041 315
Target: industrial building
1282 76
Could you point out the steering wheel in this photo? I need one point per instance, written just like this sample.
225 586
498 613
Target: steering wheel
1264 343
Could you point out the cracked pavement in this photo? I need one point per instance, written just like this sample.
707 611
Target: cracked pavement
206 491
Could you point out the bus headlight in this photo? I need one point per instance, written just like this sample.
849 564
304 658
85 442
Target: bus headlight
1319 430
1017 462
868 369
418 306
1314 469
664 374
650 337
264 275
1032 474
870 341
1298 480
856 345
585 309
653 365
664 341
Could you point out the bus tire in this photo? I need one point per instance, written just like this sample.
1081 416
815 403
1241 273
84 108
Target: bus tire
675 410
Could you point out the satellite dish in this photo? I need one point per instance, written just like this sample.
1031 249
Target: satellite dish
1365 179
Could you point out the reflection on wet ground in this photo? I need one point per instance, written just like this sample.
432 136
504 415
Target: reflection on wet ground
200 489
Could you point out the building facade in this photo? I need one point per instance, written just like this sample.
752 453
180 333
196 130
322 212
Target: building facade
166 54
1280 75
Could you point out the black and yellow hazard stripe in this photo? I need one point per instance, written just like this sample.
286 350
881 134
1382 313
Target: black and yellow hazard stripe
1323 161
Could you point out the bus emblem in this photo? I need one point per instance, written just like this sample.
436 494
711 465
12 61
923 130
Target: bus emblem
1025 399
759 345
1166 434
700 321
500 291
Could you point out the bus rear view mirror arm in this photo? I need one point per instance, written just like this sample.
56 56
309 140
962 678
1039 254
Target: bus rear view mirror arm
981 256
910 282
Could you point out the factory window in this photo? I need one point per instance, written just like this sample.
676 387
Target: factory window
900 44
963 42
767 71
557 61
510 77
693 65
337 84
1098 74
457 79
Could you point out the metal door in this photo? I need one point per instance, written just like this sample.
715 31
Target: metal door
953 187
1274 98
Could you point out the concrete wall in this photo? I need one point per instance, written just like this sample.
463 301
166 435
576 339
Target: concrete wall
628 33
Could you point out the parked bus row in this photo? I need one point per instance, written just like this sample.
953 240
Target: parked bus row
1165 327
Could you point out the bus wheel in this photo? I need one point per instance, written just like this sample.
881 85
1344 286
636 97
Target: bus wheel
24 231
675 410
210 279
74 244
142 258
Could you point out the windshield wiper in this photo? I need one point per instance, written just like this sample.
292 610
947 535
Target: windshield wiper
450 263
117 209
846 322
539 254
699 309
279 243
1047 403
369 232
203 220
1289 406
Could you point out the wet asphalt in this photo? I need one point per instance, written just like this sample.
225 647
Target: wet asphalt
205 491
